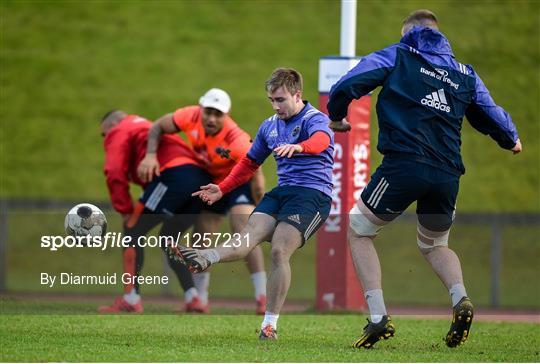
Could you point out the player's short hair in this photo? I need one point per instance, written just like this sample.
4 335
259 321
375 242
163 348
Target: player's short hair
111 114
422 17
287 77
107 114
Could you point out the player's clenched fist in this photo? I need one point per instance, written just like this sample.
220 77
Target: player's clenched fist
517 148
209 193
148 167
340 126
288 150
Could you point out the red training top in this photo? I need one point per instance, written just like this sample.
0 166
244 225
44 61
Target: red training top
125 147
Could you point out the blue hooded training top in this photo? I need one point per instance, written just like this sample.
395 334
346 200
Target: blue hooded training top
425 95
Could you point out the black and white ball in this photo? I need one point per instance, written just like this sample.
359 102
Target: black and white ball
85 219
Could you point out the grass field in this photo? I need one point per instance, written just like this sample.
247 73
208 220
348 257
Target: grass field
232 338
65 63
407 278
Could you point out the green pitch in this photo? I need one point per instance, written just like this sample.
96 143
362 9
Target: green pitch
232 338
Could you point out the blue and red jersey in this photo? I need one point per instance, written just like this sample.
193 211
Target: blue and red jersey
303 169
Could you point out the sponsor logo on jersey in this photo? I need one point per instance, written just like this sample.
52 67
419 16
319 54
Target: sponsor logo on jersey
441 75
436 100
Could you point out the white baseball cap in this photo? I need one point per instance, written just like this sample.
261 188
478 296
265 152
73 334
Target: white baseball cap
217 99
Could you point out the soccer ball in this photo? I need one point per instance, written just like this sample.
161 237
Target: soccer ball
85 219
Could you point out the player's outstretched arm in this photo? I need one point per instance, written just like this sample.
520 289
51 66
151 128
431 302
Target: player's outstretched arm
240 174
369 73
149 166
210 193
317 143
117 154
489 118
258 185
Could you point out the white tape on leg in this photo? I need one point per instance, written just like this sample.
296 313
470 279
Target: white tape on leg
361 224
427 239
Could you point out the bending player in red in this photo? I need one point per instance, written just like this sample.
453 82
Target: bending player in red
163 200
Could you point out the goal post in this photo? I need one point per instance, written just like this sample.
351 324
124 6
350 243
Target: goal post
337 285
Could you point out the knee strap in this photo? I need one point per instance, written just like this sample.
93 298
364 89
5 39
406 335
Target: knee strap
429 239
363 222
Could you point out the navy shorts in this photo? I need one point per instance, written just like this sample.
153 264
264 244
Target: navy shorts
304 208
170 193
239 196
398 182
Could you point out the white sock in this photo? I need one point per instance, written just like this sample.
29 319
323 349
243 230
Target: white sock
375 301
190 294
202 281
132 297
259 283
270 319
211 254
457 292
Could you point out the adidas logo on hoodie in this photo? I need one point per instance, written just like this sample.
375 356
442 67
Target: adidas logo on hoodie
436 100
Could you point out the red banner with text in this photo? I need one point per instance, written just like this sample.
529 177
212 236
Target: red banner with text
338 287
